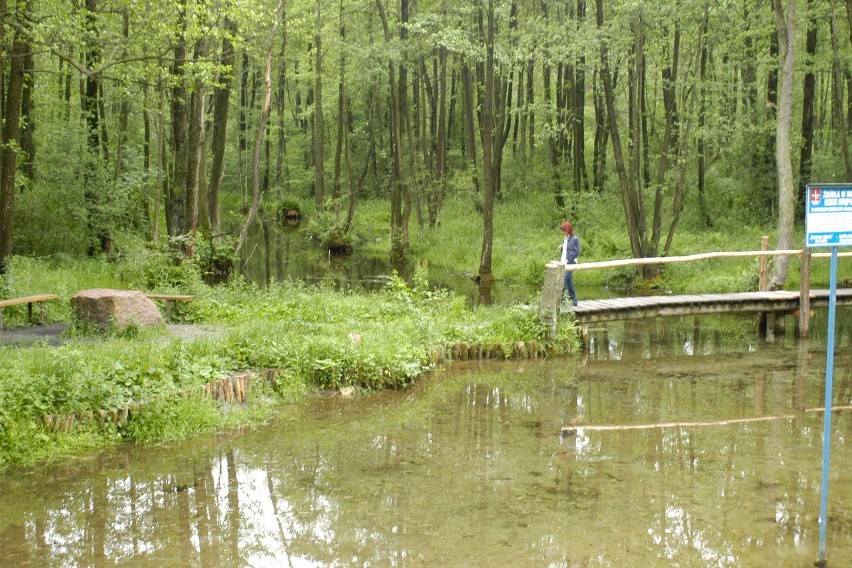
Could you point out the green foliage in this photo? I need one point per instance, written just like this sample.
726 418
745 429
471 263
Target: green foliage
285 207
329 230
215 257
619 278
163 268
171 420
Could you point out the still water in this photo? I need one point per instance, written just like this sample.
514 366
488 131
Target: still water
278 254
692 446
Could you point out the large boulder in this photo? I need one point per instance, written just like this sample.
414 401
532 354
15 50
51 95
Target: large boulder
116 308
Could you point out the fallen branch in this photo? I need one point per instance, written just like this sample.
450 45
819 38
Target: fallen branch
600 428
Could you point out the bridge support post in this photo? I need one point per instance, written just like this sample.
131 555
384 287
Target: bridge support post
762 286
551 297
779 327
805 295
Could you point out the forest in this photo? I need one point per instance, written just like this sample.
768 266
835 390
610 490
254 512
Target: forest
184 120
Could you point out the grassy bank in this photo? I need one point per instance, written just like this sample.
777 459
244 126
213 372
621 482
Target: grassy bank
317 339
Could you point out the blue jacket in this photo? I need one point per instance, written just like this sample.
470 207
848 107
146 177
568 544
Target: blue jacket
570 249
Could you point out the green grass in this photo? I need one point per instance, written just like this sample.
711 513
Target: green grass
526 239
305 332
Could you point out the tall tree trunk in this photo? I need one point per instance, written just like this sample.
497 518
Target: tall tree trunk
578 105
848 73
319 123
748 71
668 145
341 111
4 59
601 136
147 129
441 165
28 119
221 104
195 152
96 223
519 135
552 143
682 131
179 103
702 119
489 140
808 95
554 110
397 252
282 171
786 187
469 128
837 103
402 241
624 177
163 191
11 124
531 104
637 128
261 127
451 111
769 167
124 105
369 160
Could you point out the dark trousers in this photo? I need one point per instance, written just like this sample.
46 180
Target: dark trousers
569 287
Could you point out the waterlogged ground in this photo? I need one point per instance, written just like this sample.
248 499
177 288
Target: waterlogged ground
685 447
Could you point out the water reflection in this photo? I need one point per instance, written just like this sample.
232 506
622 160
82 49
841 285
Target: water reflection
702 336
700 457
276 253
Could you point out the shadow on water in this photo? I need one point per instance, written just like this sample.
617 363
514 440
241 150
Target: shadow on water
676 448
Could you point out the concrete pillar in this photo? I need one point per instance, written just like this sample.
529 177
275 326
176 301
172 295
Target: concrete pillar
551 296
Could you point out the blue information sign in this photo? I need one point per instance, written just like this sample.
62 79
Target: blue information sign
828 217
828 223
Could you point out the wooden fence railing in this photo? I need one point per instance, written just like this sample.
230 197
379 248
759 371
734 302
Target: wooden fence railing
555 272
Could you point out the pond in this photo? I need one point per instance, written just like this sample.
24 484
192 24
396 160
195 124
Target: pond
703 451
276 253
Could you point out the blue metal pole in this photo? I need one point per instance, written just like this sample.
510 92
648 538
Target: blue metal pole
829 387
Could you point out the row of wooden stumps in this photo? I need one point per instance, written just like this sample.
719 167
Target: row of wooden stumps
234 389
465 351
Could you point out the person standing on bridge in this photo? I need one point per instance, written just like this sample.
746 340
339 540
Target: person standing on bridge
570 248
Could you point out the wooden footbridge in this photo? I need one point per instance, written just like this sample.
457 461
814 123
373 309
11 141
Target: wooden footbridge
771 305
593 311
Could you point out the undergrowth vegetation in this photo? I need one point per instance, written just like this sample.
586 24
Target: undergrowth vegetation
315 338
525 240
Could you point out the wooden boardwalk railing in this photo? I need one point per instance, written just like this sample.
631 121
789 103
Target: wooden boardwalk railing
762 300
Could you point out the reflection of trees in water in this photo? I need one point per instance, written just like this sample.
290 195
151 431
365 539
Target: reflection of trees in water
701 336
474 469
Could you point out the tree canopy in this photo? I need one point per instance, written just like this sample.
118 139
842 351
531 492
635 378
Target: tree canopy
174 117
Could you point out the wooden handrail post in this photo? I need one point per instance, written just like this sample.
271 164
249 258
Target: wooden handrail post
805 294
763 278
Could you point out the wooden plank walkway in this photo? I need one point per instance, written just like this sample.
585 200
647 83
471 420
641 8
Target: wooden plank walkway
613 309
